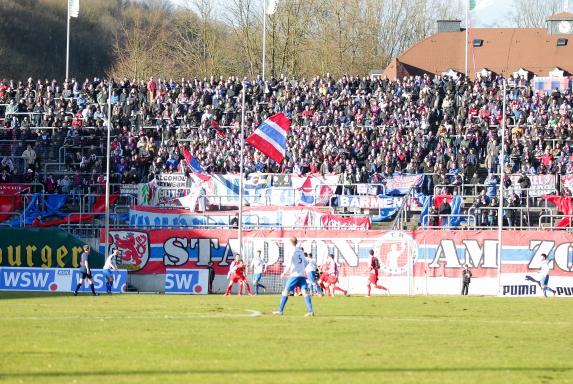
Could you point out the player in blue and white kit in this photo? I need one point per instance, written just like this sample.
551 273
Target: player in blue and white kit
543 275
295 265
109 266
312 274
259 266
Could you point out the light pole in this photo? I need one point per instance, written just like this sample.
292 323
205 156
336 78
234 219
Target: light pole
241 171
107 166
500 208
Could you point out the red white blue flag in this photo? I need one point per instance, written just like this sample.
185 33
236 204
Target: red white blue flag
195 166
270 137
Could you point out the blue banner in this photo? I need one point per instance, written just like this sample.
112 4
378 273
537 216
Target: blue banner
56 280
186 281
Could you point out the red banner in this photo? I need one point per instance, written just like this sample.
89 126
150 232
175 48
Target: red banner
334 221
428 262
442 252
9 189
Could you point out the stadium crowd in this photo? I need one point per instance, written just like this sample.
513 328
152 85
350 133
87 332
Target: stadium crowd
360 127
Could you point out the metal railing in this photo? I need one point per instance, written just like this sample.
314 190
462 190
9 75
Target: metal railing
550 221
9 216
401 218
431 221
516 217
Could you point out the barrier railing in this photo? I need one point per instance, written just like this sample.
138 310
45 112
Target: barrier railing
10 216
431 221
550 221
401 218
123 200
516 217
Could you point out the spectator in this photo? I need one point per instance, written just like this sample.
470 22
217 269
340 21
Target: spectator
524 183
50 184
513 212
491 182
492 212
445 210
29 156
481 202
365 127
5 176
433 220
234 223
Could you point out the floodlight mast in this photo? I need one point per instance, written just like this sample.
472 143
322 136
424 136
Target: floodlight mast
501 177
241 170
107 168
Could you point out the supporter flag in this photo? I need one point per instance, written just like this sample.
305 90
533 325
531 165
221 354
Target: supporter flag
270 137
218 130
74 8
306 192
272 6
195 166
476 5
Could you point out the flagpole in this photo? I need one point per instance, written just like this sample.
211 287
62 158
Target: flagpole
241 170
467 31
500 208
264 35
107 167
68 43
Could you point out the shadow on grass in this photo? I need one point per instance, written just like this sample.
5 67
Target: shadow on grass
32 295
262 371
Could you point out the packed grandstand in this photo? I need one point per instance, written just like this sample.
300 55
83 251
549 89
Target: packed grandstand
423 150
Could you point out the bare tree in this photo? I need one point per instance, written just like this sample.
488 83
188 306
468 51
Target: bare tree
245 20
308 37
532 13
137 55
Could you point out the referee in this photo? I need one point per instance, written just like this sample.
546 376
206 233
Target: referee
85 271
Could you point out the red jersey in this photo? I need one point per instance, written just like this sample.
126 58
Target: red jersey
374 264
240 271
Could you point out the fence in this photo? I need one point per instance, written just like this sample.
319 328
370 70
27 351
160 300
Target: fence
556 222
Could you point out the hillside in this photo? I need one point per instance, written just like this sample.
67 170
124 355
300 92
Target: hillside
33 38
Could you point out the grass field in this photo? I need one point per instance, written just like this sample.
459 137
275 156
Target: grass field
216 339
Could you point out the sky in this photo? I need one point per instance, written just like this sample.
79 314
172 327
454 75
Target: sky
488 16
493 14
489 13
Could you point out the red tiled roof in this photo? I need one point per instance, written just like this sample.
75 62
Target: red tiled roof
504 50
561 16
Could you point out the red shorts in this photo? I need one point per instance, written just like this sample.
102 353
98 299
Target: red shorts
331 279
373 276
237 278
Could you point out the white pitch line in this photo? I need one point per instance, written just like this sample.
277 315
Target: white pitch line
445 319
250 313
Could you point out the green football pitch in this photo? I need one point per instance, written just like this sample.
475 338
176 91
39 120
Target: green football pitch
216 339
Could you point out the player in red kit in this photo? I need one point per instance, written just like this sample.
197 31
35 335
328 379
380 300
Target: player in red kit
323 279
329 276
237 275
374 266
